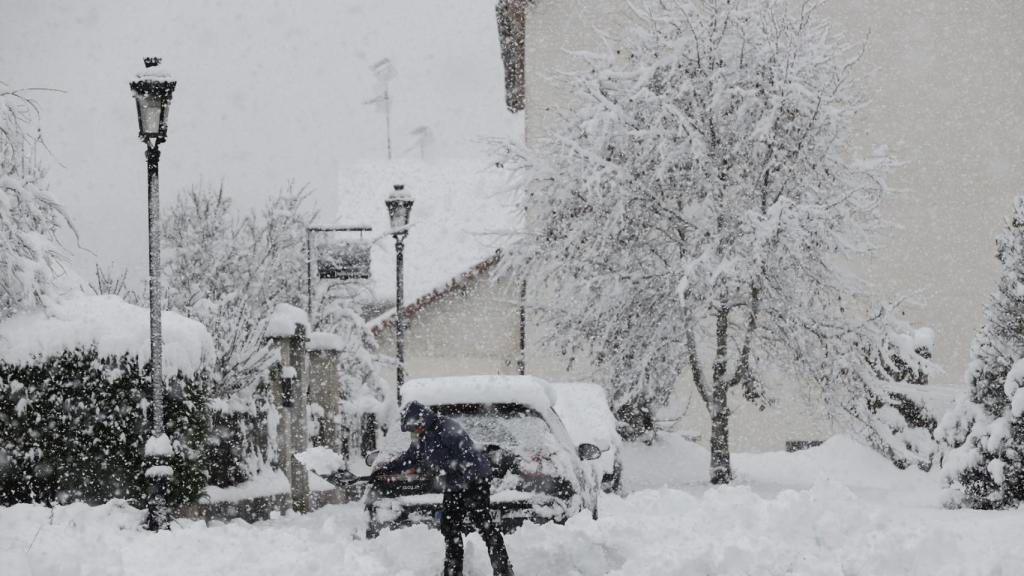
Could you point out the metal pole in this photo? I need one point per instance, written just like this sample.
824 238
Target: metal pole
400 316
309 275
387 118
159 515
155 332
521 364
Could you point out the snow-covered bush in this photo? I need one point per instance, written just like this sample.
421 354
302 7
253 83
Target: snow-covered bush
984 433
229 271
30 217
75 398
240 442
691 214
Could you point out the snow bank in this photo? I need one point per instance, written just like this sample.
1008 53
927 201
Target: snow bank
526 390
675 462
824 529
110 324
671 461
839 459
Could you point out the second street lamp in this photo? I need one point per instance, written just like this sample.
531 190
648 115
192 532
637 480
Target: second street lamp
399 205
152 90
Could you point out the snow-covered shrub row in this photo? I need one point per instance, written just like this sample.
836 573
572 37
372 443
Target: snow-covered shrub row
73 428
240 442
984 433
75 402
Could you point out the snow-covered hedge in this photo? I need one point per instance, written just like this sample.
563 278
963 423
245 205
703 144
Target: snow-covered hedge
75 400
983 435
242 435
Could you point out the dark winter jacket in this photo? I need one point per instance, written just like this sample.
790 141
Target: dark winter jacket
443 449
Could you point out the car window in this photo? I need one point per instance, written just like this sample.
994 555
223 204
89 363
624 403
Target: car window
508 425
518 431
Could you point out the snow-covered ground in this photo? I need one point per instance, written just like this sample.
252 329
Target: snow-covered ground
836 509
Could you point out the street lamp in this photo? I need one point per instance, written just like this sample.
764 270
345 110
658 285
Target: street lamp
152 89
399 205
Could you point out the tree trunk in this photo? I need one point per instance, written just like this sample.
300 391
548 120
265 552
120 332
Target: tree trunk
721 468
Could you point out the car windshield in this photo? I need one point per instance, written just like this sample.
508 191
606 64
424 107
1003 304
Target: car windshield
511 426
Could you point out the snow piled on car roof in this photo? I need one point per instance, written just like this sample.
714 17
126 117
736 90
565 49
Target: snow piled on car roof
526 390
583 408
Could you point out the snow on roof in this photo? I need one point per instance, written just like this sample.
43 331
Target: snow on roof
110 324
387 319
282 322
460 217
526 390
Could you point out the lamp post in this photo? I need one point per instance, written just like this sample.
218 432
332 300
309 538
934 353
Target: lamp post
399 205
152 90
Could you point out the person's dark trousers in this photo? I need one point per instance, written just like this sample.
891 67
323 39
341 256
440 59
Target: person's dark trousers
473 504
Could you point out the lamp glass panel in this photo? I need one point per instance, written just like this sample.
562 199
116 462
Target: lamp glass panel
396 217
399 212
150 108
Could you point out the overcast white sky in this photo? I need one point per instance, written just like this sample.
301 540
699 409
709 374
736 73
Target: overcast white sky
268 92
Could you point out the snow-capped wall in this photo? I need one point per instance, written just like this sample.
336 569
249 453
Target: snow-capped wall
110 324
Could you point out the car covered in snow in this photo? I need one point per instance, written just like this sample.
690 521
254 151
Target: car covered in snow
583 408
539 474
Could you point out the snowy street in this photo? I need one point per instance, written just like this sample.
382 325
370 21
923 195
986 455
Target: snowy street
860 516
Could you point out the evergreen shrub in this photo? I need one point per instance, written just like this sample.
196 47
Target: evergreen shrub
73 427
240 443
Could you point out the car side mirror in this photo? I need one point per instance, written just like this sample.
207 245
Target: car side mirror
588 452
371 457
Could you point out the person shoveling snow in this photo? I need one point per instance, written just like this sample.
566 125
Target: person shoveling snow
441 446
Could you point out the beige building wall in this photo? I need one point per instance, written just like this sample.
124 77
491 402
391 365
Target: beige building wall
475 330
470 330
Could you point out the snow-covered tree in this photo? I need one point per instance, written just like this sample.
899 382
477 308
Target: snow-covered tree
692 215
30 217
984 433
111 281
229 271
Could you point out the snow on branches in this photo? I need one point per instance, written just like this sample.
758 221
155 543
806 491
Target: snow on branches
983 436
691 215
229 271
30 217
